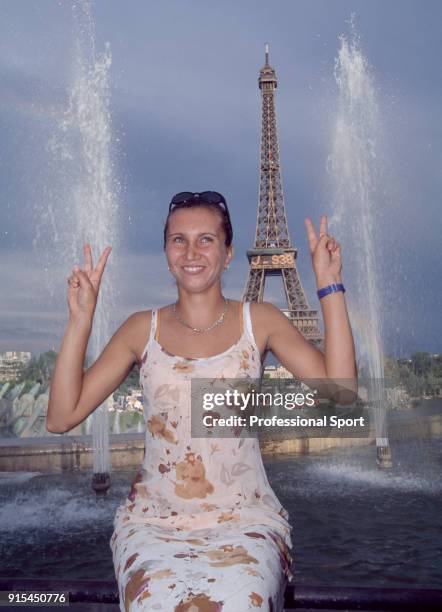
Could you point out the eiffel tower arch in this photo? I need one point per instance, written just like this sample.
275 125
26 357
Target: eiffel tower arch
272 253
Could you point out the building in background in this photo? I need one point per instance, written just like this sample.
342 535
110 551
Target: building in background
12 364
271 371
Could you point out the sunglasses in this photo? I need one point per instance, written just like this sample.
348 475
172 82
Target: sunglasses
208 197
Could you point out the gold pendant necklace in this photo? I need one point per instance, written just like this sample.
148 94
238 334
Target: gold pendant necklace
202 330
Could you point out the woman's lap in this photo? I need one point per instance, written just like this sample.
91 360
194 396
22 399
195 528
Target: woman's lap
232 568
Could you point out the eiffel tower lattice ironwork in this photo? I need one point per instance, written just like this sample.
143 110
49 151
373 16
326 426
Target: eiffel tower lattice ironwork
272 253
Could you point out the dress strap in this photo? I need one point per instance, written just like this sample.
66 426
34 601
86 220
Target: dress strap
155 331
249 328
247 319
153 325
241 318
248 322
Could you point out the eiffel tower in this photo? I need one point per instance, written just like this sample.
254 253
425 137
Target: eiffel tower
272 253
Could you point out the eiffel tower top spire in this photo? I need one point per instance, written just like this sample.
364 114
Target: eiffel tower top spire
267 74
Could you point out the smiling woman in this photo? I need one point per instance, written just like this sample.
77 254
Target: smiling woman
201 528
197 248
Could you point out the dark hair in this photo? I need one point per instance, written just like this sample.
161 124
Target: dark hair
225 218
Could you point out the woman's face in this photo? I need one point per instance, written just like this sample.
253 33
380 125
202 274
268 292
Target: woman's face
195 248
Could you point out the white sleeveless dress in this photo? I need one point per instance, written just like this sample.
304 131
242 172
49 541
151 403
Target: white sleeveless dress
201 528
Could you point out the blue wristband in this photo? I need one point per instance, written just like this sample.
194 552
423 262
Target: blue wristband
330 289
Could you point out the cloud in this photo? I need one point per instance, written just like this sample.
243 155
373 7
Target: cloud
34 311
186 110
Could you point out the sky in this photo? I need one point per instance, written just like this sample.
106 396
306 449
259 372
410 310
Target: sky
185 115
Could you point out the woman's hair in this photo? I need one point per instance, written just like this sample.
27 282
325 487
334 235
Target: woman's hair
221 211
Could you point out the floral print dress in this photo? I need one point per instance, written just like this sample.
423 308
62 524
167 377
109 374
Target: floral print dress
201 529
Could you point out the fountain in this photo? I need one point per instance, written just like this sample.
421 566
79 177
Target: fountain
355 170
82 206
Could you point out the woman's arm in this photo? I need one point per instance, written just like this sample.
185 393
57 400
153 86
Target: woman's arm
339 348
339 357
75 394
298 355
66 380
338 363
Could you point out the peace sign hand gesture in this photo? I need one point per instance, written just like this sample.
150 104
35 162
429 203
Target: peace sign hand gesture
325 253
85 284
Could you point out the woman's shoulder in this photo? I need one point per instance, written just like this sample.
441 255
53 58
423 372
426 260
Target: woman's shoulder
137 325
137 330
141 320
263 312
141 317
266 318
262 319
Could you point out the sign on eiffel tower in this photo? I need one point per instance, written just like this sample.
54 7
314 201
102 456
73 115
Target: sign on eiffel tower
272 253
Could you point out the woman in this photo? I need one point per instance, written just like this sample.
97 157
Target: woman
201 528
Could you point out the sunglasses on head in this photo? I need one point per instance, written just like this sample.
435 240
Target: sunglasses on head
208 197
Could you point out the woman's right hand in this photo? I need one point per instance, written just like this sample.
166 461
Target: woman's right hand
85 284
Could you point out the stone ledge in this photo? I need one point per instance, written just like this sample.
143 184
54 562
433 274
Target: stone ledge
59 453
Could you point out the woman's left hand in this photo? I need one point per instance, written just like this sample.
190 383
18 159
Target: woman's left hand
325 253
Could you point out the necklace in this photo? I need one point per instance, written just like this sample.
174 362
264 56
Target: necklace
206 329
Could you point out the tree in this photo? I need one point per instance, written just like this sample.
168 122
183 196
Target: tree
39 369
421 363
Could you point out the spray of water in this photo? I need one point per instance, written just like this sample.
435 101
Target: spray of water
82 197
355 169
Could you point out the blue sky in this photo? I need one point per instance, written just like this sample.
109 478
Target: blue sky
186 115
